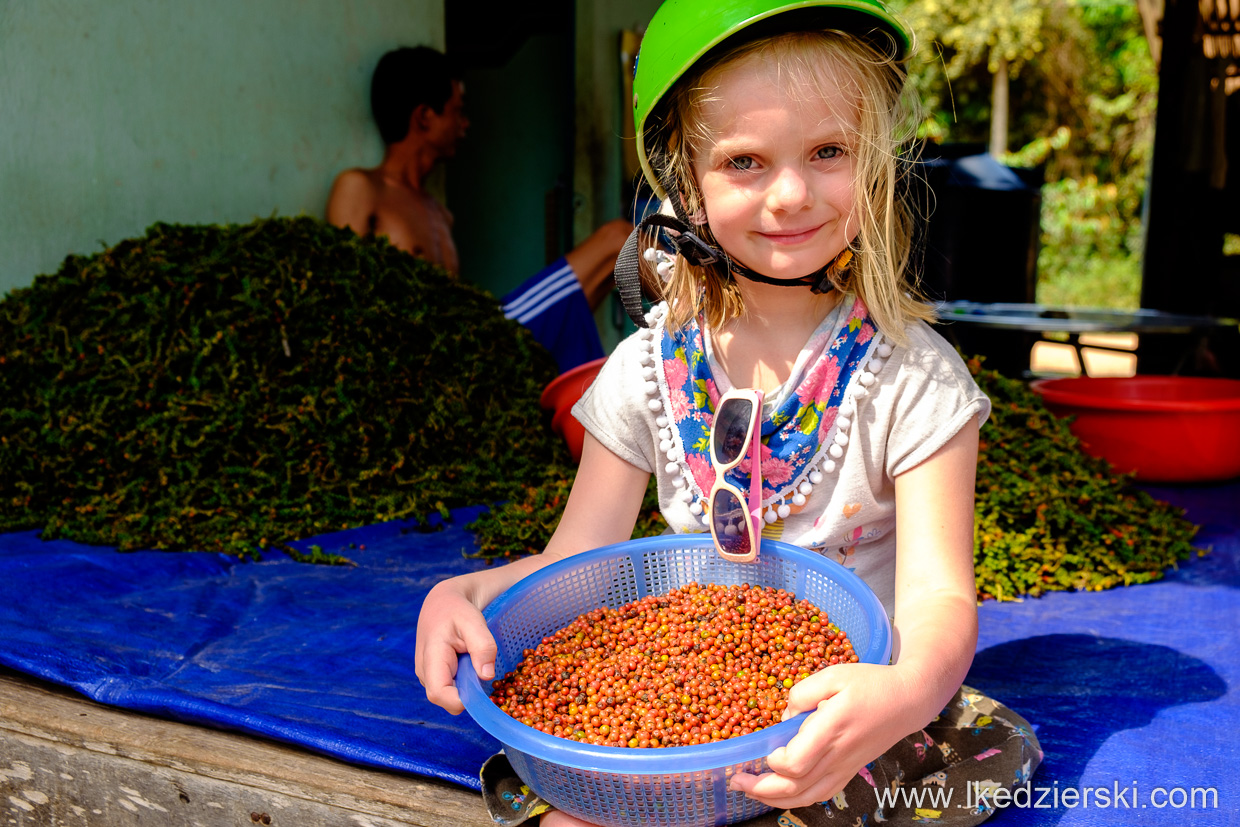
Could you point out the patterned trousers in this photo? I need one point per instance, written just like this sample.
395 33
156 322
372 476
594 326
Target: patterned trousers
944 774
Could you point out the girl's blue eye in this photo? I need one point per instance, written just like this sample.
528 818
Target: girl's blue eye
826 153
741 162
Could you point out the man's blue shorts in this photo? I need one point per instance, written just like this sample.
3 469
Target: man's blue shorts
550 303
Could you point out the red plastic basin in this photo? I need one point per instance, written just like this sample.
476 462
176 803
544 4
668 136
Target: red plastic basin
559 397
1164 428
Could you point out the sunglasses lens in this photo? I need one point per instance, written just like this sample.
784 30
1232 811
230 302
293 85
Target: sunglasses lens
729 522
732 422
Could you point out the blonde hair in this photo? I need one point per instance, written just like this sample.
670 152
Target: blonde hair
809 63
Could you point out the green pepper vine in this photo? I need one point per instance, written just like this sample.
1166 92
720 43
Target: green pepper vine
234 388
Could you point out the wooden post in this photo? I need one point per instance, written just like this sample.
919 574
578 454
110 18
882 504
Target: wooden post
1181 251
999 109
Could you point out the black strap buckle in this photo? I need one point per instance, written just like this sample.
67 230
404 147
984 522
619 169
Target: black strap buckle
694 249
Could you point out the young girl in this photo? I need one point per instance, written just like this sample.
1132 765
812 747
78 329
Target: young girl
775 131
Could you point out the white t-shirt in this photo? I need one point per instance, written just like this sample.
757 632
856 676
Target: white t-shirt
900 407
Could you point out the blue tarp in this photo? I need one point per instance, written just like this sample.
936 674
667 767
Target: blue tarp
320 656
1131 689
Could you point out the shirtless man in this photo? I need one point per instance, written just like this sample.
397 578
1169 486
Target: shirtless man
420 110
418 105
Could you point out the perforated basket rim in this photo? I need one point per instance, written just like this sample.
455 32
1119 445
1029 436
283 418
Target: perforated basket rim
679 760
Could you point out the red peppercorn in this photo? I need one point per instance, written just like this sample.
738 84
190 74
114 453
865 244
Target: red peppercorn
698 664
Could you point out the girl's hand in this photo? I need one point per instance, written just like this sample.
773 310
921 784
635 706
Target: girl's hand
861 710
601 509
851 724
449 625
556 818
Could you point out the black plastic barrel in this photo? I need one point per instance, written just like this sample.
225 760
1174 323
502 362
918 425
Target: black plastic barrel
980 240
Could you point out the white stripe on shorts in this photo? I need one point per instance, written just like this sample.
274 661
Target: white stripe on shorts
561 282
537 310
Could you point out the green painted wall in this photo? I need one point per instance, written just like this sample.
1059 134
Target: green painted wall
599 106
115 114
597 176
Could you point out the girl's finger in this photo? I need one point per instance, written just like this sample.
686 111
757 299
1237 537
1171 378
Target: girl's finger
786 793
438 681
807 749
480 645
815 689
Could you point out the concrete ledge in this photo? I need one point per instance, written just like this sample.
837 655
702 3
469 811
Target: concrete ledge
66 760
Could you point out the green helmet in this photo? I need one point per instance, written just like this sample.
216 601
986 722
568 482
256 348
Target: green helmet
683 31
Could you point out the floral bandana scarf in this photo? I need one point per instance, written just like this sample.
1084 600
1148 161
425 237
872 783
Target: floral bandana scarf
795 436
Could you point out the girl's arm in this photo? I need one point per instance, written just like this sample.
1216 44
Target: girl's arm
863 709
601 509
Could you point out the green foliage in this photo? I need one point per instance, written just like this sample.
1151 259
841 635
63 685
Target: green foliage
319 557
232 388
1083 99
1091 252
524 525
1050 517
1093 75
980 32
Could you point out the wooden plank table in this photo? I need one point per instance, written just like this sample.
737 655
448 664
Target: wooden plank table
68 761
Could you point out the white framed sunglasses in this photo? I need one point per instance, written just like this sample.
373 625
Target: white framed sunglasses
736 517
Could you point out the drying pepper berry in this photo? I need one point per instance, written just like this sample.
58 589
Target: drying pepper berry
687 667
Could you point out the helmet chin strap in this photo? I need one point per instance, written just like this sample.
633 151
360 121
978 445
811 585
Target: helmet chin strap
696 251
819 281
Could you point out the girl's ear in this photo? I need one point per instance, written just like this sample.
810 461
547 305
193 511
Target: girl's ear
697 219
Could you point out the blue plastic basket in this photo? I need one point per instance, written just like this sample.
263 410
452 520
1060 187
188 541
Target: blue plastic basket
682 786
